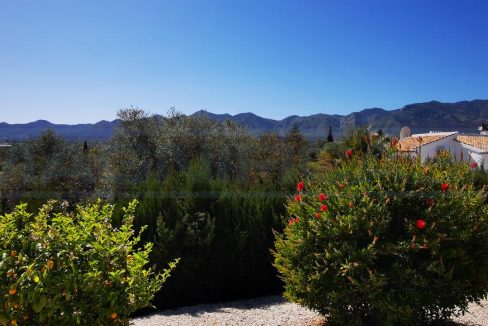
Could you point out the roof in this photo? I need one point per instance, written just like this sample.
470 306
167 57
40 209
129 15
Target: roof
410 144
478 141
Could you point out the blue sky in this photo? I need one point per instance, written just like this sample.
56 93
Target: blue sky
81 61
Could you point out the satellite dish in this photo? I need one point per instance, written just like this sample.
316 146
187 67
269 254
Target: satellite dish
405 132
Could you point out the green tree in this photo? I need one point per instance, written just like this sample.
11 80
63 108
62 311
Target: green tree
296 145
330 137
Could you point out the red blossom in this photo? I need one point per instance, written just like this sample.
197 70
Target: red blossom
394 142
323 208
444 187
300 186
351 204
293 220
318 215
322 197
420 224
430 202
342 186
349 153
473 165
298 198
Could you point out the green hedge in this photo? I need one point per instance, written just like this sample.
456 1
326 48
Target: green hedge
221 229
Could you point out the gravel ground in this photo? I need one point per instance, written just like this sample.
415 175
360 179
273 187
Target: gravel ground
477 316
265 311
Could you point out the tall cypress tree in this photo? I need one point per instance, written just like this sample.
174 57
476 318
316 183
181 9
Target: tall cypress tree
330 138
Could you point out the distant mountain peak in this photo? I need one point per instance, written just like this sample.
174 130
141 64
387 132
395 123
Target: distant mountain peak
41 122
464 116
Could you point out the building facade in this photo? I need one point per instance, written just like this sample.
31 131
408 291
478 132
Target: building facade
463 147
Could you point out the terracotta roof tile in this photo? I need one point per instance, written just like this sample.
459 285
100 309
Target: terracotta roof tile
411 143
477 141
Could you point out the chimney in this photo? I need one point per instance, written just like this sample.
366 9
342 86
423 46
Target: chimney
483 129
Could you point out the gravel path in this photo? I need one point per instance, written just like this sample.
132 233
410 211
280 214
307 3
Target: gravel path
477 316
265 311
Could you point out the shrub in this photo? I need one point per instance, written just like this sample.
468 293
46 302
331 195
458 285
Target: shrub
387 242
221 229
73 269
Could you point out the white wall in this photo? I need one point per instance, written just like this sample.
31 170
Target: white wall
469 153
430 150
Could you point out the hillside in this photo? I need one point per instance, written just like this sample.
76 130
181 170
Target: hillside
463 116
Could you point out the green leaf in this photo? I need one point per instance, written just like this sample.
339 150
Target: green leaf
40 304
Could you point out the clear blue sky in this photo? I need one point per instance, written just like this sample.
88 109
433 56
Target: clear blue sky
81 61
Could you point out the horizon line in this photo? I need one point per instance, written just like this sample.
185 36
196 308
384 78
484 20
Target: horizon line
233 115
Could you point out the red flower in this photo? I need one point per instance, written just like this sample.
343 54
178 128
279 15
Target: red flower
474 165
300 186
298 198
420 224
322 197
430 202
444 187
318 215
349 153
342 186
394 142
293 220
323 208
351 204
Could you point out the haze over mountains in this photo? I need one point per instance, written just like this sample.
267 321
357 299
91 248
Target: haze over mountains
463 116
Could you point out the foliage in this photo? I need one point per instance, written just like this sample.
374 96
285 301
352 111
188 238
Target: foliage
296 145
59 268
221 229
330 136
389 242
209 191
48 168
145 144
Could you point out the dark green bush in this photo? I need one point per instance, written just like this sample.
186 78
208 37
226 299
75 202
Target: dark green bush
220 228
395 242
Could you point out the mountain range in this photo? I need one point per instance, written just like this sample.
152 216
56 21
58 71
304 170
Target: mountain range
463 116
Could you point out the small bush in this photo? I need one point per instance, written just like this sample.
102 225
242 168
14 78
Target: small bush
387 242
73 269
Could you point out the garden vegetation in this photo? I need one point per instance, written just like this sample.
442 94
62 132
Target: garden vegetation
365 237
387 241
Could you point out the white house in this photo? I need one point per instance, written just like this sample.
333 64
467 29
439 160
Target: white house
464 147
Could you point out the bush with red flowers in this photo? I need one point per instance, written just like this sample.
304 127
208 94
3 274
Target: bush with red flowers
399 242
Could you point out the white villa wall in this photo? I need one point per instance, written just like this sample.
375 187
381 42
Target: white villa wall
469 154
430 150
459 150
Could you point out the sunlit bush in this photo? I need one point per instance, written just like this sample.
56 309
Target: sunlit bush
59 268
